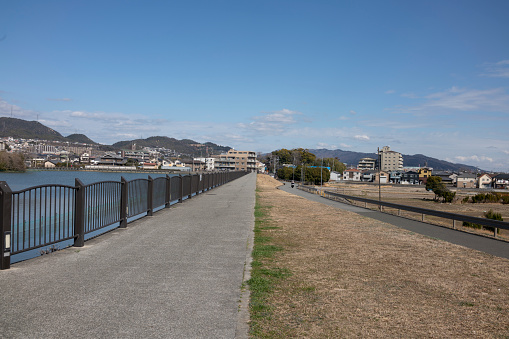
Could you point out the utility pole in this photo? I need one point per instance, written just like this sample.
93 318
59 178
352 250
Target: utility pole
379 179
321 177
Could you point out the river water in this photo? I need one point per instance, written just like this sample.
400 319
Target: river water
30 178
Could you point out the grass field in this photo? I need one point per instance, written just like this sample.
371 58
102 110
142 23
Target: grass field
335 274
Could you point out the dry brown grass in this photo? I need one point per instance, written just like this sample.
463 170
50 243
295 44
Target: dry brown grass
357 277
417 196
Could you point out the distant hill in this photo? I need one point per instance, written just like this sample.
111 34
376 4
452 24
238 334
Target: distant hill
352 158
81 138
185 146
18 128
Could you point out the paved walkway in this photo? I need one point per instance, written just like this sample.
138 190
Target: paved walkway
177 274
488 245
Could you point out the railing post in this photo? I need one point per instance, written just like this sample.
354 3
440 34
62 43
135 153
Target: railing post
453 224
5 220
181 190
79 214
168 192
123 202
190 186
150 196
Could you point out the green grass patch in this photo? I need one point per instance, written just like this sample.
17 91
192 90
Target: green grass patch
264 276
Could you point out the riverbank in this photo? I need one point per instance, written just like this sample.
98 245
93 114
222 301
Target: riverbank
352 276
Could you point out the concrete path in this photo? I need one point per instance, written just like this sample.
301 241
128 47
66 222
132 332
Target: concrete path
177 274
488 245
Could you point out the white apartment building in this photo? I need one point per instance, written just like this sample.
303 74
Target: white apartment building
390 160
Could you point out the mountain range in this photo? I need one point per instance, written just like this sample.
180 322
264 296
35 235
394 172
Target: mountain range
18 128
23 129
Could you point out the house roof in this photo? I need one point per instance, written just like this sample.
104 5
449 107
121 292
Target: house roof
503 176
467 175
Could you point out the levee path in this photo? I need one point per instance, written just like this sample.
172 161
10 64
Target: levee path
177 274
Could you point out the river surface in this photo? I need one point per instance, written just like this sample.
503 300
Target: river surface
30 178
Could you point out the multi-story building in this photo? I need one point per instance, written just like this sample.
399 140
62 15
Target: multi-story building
236 161
366 164
209 163
390 160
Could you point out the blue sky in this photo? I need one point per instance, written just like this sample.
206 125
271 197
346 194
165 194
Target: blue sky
429 77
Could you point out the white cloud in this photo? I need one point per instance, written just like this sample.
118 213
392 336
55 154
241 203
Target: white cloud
352 112
391 91
461 99
59 99
474 158
343 145
343 118
272 123
498 69
362 137
470 100
326 145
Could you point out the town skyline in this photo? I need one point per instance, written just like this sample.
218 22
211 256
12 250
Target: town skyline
429 78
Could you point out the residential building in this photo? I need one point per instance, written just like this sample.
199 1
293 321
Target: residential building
111 160
410 178
390 160
424 174
368 175
501 181
466 180
352 175
447 177
395 177
149 165
382 177
209 163
335 176
236 161
195 165
366 164
484 181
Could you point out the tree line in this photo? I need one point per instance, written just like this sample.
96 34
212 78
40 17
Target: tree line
301 165
14 162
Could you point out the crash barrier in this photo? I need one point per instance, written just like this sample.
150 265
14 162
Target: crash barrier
495 224
42 216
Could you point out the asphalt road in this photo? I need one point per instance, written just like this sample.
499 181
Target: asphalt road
488 245
177 274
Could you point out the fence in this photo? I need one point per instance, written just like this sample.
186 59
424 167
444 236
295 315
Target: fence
42 216
495 224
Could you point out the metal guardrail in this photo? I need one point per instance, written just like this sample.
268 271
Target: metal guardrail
496 224
44 215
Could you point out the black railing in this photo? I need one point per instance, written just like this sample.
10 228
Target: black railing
495 224
42 216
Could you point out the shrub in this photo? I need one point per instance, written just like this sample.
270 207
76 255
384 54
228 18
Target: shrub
505 199
489 215
492 197
448 196
465 200
478 198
